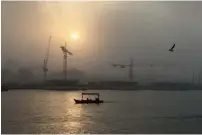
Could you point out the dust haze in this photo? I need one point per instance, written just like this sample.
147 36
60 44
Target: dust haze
110 32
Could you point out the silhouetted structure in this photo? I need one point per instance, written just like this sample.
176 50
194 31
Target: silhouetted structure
45 68
65 52
113 85
127 65
174 86
62 82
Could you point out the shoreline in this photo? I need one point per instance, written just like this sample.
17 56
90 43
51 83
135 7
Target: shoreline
118 89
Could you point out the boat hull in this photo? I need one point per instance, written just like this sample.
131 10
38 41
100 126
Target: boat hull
88 101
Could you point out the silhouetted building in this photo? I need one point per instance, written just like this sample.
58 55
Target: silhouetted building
118 83
113 85
62 82
174 86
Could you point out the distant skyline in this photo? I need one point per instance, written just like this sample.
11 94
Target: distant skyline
109 32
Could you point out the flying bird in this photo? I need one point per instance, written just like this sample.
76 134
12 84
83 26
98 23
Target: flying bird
172 49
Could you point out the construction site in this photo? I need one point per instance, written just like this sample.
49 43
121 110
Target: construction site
64 83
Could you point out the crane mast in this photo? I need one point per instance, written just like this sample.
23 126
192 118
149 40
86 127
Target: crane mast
65 55
130 65
45 65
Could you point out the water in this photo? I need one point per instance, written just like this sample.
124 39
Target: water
38 111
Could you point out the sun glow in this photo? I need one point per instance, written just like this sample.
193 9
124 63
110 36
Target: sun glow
74 36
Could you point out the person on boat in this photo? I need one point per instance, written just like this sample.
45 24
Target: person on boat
87 99
96 99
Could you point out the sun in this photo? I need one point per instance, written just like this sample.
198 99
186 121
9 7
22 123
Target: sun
74 36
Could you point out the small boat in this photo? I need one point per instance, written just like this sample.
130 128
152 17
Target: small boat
89 101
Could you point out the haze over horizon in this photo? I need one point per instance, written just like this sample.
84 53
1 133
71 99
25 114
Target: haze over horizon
109 32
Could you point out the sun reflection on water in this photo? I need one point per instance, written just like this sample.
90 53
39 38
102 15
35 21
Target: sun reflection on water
75 114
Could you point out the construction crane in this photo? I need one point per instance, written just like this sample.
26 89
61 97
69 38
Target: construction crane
130 65
45 68
65 53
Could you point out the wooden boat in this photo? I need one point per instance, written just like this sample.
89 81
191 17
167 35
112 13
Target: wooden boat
89 101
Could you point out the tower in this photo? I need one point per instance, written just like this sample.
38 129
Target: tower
45 64
130 65
65 55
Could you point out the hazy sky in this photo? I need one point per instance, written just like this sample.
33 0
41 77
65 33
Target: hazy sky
109 32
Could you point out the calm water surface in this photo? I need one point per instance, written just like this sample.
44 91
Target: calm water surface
38 111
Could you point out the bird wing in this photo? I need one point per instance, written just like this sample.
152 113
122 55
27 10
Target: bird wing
173 46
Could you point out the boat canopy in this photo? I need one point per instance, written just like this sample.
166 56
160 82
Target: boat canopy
90 94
